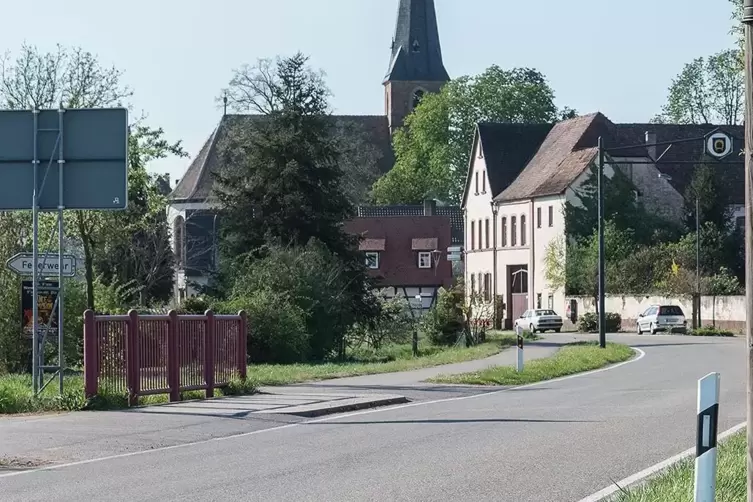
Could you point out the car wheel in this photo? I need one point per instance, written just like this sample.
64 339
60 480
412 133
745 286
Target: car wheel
652 330
558 330
640 332
532 329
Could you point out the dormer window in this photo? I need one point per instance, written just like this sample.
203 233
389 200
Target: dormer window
372 260
416 46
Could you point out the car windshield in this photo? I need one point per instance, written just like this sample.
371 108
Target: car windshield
670 310
545 312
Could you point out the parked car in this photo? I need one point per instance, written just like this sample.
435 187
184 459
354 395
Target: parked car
668 318
539 320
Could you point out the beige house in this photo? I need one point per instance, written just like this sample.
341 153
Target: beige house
520 178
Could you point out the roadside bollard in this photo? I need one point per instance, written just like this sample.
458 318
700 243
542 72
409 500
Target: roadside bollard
705 450
519 350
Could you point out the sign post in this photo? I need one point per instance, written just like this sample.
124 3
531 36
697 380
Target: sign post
519 350
50 161
706 434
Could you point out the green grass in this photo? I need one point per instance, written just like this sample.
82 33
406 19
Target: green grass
570 359
367 362
710 331
16 396
676 483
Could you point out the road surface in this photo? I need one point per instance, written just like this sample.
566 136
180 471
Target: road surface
557 441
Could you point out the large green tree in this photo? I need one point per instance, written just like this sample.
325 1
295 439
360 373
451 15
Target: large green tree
283 184
433 148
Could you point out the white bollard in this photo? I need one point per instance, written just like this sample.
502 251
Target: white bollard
706 434
519 332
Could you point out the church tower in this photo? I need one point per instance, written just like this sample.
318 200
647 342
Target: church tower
416 65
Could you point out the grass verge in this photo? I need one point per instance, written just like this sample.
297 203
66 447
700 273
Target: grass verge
570 359
16 396
393 359
710 331
676 483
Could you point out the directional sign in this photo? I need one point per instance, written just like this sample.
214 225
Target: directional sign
23 264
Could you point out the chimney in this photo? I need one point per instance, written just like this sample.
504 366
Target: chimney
651 140
430 207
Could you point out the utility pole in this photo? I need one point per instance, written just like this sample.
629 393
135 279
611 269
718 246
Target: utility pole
748 55
697 308
602 255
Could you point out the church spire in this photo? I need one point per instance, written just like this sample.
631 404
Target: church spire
416 52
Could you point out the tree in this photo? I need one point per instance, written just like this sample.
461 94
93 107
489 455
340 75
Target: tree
707 91
283 183
707 187
433 148
258 89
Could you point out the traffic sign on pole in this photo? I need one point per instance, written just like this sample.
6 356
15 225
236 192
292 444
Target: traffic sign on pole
48 264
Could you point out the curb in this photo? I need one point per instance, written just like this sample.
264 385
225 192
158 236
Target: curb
644 475
313 411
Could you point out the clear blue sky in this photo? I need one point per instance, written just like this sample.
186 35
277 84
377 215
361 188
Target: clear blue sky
613 56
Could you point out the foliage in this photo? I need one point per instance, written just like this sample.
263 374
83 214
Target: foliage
314 280
710 331
708 90
569 360
394 325
478 319
269 87
433 148
722 283
445 322
707 186
194 305
276 327
589 322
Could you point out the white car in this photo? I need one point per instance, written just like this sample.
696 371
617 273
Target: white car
669 318
539 320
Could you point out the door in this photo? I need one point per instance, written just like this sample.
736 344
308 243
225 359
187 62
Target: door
648 318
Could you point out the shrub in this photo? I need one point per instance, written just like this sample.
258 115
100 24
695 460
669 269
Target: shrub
393 325
194 305
276 328
589 322
710 331
445 322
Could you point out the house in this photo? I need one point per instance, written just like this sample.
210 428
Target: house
521 176
415 68
406 254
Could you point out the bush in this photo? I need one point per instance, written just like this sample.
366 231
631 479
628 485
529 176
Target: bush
194 305
589 322
445 322
276 328
710 331
393 325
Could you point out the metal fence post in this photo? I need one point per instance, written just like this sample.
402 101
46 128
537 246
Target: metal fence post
133 366
173 356
242 341
209 353
91 359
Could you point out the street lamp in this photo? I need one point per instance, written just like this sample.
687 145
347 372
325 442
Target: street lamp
696 299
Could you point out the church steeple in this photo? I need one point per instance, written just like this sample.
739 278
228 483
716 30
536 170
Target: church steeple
416 65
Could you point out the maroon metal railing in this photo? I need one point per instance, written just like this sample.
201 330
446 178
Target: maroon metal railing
141 355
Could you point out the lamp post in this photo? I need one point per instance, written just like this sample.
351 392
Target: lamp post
748 55
602 254
696 297
495 314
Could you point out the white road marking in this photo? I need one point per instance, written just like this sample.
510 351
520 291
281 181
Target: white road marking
641 355
603 495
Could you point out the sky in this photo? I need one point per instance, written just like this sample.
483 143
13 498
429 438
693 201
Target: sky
613 56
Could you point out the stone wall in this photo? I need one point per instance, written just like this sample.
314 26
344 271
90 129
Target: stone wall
725 312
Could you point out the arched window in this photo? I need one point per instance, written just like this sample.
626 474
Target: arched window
513 231
179 240
522 230
418 95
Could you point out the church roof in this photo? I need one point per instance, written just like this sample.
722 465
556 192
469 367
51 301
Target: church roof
416 51
196 184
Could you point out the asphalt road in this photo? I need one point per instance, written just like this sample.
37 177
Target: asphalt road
557 441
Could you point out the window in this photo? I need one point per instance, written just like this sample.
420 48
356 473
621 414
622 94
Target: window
486 229
417 97
504 232
538 217
179 240
513 231
476 183
670 310
522 230
424 259
480 235
473 283
483 183
372 260
550 304
473 235
480 151
538 300
481 283
487 287
551 216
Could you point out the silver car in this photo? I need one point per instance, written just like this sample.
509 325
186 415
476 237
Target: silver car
669 318
539 320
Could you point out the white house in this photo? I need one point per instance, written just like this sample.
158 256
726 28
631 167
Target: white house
522 175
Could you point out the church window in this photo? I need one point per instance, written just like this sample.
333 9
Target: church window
418 95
